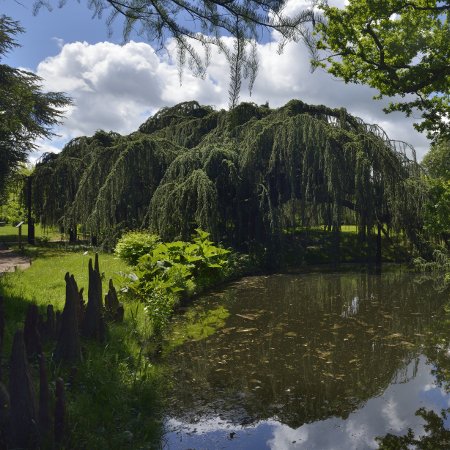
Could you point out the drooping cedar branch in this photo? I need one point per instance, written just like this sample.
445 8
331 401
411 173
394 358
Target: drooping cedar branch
243 175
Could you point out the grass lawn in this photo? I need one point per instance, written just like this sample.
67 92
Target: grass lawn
44 283
9 234
113 400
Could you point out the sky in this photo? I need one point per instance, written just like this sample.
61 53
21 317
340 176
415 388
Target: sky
116 86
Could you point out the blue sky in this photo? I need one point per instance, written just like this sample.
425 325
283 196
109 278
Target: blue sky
71 23
116 87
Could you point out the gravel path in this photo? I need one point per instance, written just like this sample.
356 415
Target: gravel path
10 261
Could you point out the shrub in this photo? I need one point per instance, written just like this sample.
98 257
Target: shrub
134 244
437 270
176 270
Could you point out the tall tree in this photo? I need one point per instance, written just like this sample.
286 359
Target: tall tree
400 47
26 112
437 213
437 160
204 22
245 175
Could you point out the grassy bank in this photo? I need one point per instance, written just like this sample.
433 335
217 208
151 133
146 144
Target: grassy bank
113 396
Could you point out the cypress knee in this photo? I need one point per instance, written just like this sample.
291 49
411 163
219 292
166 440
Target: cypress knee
82 307
4 416
2 321
120 312
30 331
2 330
50 323
23 420
93 324
60 413
58 318
114 308
96 264
45 420
68 347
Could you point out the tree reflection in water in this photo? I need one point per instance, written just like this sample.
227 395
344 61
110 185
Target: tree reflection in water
436 427
300 348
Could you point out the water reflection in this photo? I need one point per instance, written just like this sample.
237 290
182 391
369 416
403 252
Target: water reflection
328 359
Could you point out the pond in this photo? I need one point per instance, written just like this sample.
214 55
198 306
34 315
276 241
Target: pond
308 361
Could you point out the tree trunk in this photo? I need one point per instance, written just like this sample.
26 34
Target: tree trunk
378 251
30 220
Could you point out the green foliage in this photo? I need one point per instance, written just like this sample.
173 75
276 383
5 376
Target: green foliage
104 182
436 270
27 112
134 244
12 211
437 435
176 270
115 399
437 160
437 215
398 47
437 212
437 207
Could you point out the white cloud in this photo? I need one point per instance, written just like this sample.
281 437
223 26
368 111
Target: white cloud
59 42
391 411
117 87
43 146
286 438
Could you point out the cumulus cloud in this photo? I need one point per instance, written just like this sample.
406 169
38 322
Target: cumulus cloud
44 146
117 87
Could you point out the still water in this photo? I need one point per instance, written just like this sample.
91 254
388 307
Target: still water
310 361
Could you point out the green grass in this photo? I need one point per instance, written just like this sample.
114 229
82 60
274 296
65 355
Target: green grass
114 397
10 234
44 282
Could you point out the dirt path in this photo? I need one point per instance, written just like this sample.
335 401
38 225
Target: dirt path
10 261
